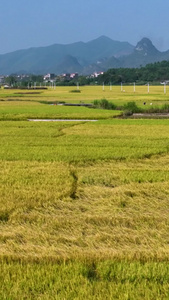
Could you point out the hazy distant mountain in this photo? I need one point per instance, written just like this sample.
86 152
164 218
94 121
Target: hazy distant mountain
143 53
42 60
85 58
68 65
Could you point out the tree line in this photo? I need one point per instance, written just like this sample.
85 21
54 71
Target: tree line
154 73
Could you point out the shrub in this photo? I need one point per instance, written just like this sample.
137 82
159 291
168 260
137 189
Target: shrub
104 103
163 109
75 91
127 113
131 107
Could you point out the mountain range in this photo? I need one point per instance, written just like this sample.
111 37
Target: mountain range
84 58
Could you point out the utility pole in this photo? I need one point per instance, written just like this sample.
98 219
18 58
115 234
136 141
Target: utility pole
121 86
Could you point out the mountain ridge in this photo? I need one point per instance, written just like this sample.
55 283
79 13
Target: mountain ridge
99 54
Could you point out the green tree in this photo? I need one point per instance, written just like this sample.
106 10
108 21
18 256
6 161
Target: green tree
11 80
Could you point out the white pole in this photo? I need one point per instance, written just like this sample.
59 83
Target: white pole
164 88
77 86
121 87
110 86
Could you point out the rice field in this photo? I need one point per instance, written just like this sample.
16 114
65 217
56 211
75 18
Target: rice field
24 110
89 93
84 206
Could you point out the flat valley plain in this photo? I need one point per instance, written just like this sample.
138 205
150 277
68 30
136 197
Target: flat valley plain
84 208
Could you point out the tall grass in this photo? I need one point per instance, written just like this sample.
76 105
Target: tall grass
81 142
88 189
83 207
84 280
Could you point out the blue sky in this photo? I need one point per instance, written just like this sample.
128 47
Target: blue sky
34 23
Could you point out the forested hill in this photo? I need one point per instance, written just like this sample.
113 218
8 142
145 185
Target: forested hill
155 72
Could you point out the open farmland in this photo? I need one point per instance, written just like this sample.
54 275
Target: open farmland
84 206
89 93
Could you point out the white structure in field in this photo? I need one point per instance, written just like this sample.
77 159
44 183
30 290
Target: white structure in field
49 77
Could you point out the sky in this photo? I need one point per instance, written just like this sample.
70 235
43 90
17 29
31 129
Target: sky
35 23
